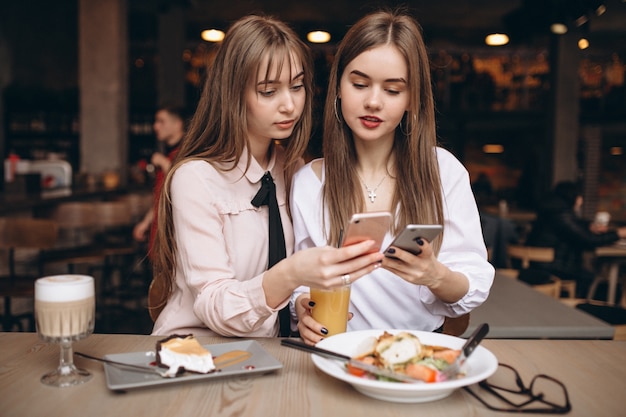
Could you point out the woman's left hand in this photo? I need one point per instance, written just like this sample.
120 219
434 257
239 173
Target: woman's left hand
424 269
421 269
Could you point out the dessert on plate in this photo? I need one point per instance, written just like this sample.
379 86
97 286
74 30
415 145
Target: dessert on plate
182 353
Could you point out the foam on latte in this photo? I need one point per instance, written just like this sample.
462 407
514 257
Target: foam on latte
61 288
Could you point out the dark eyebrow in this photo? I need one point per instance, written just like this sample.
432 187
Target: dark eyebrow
266 82
389 80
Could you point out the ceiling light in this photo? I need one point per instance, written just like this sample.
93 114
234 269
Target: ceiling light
616 150
601 9
212 35
318 36
496 39
493 148
558 28
583 43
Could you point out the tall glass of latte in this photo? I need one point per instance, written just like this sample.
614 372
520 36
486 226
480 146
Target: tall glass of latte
65 310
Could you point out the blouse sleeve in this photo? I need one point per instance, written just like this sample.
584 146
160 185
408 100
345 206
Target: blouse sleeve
463 247
226 303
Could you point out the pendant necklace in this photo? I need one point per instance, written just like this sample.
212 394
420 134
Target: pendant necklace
371 194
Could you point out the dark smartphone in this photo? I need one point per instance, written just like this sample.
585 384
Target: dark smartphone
364 226
406 240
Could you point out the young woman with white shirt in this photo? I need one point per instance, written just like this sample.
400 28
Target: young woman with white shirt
381 154
210 254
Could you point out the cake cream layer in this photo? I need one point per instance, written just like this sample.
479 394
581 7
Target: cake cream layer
184 352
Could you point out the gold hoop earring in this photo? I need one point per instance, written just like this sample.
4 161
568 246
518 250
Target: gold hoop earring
336 107
407 123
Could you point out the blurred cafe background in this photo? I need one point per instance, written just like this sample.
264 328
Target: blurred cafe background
80 81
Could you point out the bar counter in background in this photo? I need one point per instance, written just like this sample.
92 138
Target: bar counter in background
12 203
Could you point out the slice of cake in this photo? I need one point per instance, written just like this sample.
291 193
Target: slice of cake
183 353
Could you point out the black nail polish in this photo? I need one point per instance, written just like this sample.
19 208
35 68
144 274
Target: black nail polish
391 250
420 242
311 303
324 330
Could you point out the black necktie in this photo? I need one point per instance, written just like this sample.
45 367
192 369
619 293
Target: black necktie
267 197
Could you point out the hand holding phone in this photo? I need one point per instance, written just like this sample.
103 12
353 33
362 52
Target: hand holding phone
364 226
406 240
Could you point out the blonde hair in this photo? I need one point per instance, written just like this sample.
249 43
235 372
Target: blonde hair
418 191
217 132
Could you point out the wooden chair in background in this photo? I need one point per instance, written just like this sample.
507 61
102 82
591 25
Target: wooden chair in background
28 237
114 240
78 225
522 256
94 234
456 326
527 254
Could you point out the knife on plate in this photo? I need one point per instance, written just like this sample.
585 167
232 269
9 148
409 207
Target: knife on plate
352 362
451 371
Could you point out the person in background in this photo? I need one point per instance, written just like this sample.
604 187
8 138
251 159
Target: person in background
559 226
381 154
169 128
483 190
214 256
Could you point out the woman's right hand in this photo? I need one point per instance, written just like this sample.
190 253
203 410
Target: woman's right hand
320 267
327 267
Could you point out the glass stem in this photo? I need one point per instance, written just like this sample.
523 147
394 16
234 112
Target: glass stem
66 364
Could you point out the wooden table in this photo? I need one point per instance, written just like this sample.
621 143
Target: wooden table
592 370
515 311
612 256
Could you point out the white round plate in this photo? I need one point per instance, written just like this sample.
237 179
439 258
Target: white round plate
479 366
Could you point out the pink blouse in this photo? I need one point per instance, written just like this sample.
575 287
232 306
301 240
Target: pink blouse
222 250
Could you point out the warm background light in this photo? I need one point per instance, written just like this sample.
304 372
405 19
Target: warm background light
318 36
558 28
496 39
583 43
212 35
493 148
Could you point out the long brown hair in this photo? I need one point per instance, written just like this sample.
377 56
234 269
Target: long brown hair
217 132
418 192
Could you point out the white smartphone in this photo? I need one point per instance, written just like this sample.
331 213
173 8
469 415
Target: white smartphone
364 226
406 240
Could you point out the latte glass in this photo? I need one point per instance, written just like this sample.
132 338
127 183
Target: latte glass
65 310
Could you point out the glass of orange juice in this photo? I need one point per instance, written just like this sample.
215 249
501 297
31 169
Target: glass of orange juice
331 308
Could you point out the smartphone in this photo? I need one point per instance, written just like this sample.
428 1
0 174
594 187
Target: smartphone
406 239
364 226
